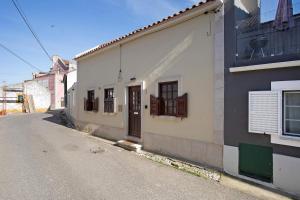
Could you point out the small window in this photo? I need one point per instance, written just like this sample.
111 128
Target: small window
168 91
292 113
109 100
91 95
20 99
90 100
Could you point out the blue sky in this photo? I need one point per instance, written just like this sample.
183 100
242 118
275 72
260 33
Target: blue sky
67 27
269 7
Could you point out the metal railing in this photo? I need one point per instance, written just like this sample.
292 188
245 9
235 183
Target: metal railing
259 42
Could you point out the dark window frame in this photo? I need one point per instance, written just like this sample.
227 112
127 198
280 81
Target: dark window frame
109 96
90 100
169 101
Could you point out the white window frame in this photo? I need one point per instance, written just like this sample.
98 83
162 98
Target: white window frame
284 139
284 115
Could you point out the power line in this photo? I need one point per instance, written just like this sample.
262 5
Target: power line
22 14
16 55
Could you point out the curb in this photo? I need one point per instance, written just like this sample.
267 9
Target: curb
196 170
256 190
253 189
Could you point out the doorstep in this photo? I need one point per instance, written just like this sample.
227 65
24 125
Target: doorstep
129 145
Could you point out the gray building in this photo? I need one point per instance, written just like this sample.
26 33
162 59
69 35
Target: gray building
262 92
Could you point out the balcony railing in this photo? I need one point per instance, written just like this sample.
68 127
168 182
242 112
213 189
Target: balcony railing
259 43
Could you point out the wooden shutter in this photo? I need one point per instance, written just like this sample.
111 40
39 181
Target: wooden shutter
154 105
85 104
182 106
265 112
96 104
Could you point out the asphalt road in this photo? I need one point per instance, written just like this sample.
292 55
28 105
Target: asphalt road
41 159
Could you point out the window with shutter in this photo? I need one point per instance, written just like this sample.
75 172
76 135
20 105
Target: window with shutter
182 106
168 92
154 105
265 112
90 100
109 100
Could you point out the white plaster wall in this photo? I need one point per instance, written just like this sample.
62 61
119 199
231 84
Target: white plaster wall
71 109
286 173
96 73
71 79
40 94
185 50
231 160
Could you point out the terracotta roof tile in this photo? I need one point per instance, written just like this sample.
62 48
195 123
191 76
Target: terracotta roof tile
101 46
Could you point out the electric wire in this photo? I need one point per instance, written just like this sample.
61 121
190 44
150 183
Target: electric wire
23 16
19 57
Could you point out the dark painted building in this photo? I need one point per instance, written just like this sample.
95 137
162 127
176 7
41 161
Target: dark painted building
262 92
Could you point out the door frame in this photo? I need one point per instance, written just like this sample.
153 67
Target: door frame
126 113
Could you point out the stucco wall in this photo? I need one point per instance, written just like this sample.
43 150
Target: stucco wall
40 94
11 96
71 79
184 52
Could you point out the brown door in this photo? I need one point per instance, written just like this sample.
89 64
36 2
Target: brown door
134 111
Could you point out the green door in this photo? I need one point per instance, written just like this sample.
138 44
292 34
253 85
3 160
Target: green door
256 162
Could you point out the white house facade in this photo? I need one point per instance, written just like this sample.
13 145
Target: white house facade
160 86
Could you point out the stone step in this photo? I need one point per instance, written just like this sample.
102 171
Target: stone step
129 145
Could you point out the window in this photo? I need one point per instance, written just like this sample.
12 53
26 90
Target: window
168 102
292 113
20 99
91 95
90 100
168 91
109 100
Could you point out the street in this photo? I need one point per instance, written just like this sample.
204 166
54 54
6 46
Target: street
41 159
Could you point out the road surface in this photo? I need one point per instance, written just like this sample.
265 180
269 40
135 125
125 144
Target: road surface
41 159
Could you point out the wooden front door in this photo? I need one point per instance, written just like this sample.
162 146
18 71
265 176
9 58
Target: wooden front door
134 111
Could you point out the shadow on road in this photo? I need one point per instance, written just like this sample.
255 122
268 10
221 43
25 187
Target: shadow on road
55 117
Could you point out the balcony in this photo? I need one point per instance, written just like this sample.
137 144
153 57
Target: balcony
258 42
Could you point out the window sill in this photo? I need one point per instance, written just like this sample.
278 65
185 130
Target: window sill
168 117
109 114
285 140
289 137
90 111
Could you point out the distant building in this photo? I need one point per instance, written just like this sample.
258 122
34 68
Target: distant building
29 96
54 80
